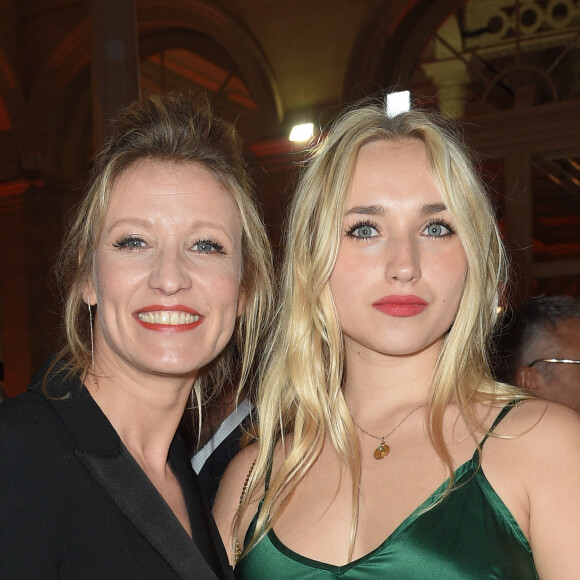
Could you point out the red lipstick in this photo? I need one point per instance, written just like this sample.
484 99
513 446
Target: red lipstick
401 306
168 319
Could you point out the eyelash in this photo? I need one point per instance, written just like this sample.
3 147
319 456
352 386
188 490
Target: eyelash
451 231
362 224
366 223
214 245
125 244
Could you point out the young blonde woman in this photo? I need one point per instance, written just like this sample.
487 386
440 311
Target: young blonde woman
385 449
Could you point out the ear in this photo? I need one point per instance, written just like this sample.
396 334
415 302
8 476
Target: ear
530 379
89 294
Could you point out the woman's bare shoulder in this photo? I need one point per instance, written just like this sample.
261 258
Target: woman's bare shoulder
546 457
232 482
539 420
537 442
229 493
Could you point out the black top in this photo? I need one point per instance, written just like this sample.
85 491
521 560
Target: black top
215 465
75 504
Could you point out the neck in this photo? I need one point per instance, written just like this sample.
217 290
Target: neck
145 411
377 385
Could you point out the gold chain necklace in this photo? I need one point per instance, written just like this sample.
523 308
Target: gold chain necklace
383 449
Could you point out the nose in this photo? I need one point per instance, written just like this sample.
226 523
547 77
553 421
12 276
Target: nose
402 259
170 272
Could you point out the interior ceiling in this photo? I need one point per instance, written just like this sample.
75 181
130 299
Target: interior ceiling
512 53
179 68
516 54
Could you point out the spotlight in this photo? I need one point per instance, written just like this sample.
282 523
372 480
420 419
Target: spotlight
302 132
399 102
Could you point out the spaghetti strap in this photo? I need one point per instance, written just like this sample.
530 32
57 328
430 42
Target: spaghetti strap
268 472
267 477
499 418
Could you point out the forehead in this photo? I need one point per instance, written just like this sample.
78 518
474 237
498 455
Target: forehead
568 333
391 151
397 168
169 185
563 341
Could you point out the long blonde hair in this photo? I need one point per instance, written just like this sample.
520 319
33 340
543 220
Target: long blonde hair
301 391
178 128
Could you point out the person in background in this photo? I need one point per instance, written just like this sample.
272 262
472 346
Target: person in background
539 349
385 448
166 275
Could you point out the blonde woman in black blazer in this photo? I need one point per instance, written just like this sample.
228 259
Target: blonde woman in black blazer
167 279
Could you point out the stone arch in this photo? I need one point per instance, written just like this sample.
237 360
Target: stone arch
59 99
389 47
158 16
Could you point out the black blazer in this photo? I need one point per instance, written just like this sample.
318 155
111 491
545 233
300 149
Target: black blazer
74 504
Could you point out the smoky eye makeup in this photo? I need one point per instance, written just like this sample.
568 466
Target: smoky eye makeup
131 242
208 246
362 230
438 228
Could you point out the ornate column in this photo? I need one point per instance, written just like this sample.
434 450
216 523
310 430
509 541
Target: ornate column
115 60
450 77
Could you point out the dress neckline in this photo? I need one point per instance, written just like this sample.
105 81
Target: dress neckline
472 464
408 521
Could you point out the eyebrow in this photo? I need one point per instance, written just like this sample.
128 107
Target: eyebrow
131 222
426 209
432 208
139 223
366 210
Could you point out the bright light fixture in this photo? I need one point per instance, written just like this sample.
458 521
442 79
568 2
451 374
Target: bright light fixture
302 132
399 102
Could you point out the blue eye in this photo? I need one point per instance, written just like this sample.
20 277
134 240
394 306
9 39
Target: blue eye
130 242
438 230
208 247
362 231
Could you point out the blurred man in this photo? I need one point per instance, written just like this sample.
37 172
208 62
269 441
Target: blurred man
540 349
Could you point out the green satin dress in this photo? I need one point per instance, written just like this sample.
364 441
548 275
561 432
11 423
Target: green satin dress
469 535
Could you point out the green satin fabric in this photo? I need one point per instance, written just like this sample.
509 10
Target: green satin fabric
470 535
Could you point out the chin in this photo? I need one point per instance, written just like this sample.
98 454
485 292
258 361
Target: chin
177 373
171 367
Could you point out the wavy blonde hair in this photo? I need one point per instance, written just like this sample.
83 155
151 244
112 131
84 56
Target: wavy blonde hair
301 391
175 128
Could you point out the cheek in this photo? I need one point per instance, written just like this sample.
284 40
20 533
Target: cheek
451 269
339 286
224 290
347 270
113 283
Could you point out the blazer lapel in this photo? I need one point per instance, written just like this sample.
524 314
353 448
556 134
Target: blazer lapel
130 489
100 450
204 530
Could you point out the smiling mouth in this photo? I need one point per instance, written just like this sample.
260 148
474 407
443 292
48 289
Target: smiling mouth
168 317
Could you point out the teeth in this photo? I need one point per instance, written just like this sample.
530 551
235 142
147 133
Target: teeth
171 317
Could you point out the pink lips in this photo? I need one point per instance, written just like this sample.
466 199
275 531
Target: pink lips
168 319
401 306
